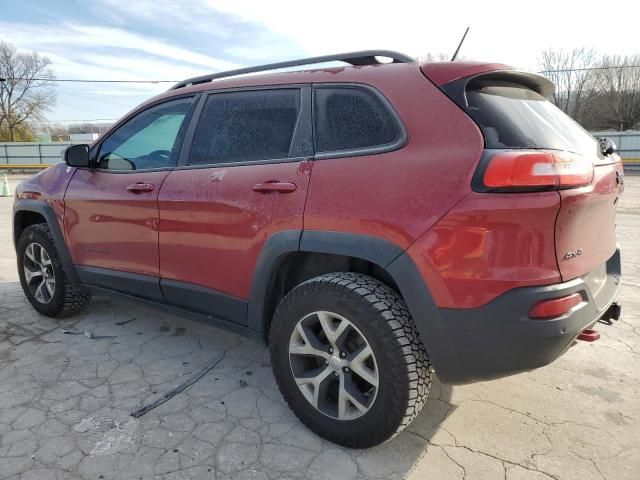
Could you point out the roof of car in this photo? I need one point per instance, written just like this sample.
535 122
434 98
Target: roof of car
365 68
438 72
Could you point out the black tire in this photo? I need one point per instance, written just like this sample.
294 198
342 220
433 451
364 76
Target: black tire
382 317
67 299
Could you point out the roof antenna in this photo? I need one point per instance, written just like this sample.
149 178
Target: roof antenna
460 44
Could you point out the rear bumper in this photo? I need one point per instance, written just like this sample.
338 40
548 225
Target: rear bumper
499 338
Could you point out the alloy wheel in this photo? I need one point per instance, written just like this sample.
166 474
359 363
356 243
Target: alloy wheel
38 272
333 365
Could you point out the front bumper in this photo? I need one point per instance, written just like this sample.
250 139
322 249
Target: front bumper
499 338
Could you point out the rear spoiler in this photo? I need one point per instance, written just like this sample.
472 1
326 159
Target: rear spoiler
534 81
456 90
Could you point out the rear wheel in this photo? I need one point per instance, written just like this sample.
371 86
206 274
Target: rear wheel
42 275
348 359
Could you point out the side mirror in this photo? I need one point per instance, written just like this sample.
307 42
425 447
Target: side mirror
77 155
607 146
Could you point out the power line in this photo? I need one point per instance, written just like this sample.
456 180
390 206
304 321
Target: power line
97 99
619 67
79 120
82 80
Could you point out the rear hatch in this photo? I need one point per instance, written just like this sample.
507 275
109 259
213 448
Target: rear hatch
533 146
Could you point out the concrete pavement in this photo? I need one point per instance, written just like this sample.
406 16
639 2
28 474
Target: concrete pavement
65 401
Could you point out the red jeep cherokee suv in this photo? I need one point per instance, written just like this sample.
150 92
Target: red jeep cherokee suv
373 223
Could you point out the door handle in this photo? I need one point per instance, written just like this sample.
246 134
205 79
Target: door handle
274 186
140 187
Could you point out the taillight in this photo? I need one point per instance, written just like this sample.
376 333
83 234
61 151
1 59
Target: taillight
531 170
555 307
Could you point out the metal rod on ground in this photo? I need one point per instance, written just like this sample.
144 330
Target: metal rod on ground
172 393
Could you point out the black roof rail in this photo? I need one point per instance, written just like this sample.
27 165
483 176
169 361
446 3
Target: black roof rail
364 57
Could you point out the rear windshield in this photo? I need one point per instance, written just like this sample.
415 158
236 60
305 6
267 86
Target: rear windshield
514 116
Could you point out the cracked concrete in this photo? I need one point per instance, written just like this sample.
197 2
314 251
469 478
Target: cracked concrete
65 401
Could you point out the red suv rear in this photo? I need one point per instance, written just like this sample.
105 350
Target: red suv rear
373 223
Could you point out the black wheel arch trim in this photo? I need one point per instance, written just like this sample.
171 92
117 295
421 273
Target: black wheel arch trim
275 248
37 206
383 253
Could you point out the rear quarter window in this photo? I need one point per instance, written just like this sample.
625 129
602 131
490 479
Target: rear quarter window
349 118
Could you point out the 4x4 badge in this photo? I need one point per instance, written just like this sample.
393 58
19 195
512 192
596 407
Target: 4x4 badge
570 255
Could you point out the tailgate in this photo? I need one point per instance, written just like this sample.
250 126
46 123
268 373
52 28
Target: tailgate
585 226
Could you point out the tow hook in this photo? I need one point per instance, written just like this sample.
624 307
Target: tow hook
612 313
588 335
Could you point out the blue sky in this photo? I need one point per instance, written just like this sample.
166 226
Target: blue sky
173 40
133 40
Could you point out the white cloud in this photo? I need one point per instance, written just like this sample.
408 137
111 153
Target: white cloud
106 53
235 35
503 31
201 36
81 38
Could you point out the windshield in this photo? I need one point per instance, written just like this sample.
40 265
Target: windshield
514 116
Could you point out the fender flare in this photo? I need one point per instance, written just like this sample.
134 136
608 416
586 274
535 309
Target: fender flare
387 255
30 205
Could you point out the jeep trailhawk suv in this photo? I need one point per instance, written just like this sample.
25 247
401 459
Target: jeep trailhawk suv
373 223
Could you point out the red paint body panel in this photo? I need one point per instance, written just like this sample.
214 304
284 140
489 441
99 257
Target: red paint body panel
397 196
586 222
107 226
489 244
445 72
213 224
49 185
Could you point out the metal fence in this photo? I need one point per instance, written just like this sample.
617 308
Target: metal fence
32 153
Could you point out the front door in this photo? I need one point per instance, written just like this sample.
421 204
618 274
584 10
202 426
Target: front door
111 211
245 178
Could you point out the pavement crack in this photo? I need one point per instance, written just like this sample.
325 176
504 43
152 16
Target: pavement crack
464 470
528 415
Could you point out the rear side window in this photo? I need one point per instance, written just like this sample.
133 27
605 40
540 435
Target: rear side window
514 116
246 126
351 118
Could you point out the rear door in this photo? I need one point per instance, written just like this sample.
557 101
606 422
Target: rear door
514 117
243 178
111 211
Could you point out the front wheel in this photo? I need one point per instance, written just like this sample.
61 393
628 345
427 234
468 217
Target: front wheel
348 359
42 275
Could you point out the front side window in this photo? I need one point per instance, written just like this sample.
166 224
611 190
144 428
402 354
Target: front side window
148 140
246 126
351 118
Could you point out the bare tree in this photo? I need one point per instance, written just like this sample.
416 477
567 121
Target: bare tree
25 92
618 82
437 57
570 71
58 132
